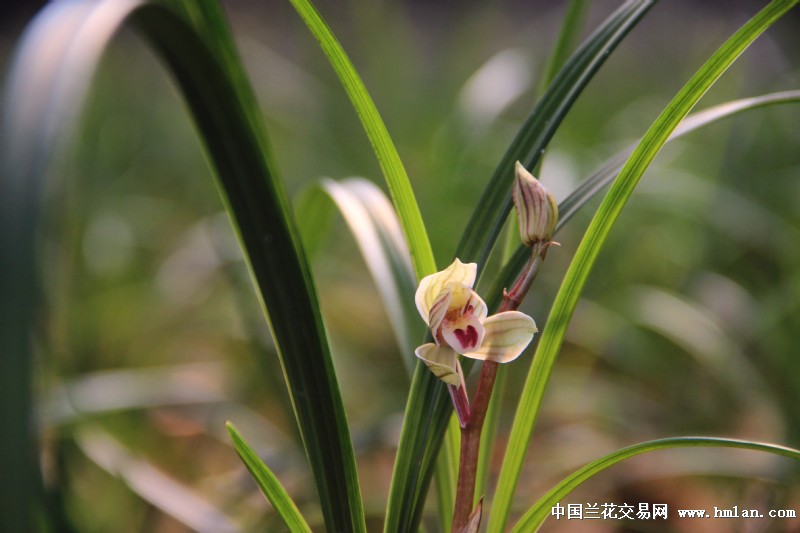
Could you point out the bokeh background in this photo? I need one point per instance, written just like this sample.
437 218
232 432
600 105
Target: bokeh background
689 324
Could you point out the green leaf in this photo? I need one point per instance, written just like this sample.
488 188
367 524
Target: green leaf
423 431
399 187
428 406
530 142
48 86
575 278
268 483
567 39
393 170
40 94
606 172
536 515
446 473
373 223
611 167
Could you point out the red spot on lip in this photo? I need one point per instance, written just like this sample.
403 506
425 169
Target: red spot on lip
468 338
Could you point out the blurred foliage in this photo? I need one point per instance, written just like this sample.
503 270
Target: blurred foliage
688 324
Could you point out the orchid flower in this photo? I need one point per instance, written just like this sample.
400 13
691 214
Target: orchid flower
456 316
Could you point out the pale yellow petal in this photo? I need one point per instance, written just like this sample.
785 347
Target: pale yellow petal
507 335
431 286
442 361
439 309
466 301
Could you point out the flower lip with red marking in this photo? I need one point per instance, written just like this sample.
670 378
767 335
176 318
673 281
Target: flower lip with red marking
457 317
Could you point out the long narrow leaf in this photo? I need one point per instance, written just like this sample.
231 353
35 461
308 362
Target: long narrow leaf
532 139
428 406
268 483
600 178
578 272
402 195
567 40
38 98
606 173
202 58
392 167
374 225
446 474
229 121
537 514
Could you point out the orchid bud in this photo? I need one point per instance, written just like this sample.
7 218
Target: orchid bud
537 210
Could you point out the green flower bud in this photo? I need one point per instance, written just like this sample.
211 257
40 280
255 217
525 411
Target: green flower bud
537 210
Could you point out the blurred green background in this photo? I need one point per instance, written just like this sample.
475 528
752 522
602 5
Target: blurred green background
153 336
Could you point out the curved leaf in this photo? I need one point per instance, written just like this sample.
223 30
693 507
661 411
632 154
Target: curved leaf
606 172
567 39
533 518
601 177
530 142
268 483
38 100
575 278
373 223
47 88
402 195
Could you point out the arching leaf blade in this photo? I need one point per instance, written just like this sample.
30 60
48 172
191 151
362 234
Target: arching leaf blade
606 172
372 221
567 40
575 278
375 227
35 116
202 58
538 513
533 137
268 483
261 215
389 160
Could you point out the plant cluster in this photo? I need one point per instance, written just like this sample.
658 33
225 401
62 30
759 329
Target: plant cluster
450 424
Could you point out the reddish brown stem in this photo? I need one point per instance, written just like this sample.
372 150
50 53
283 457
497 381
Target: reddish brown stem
461 403
472 427
470 445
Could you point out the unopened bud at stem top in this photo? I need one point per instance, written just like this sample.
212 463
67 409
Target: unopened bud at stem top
537 210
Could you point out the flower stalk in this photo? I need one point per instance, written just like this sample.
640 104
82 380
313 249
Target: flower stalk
459 325
472 427
537 214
